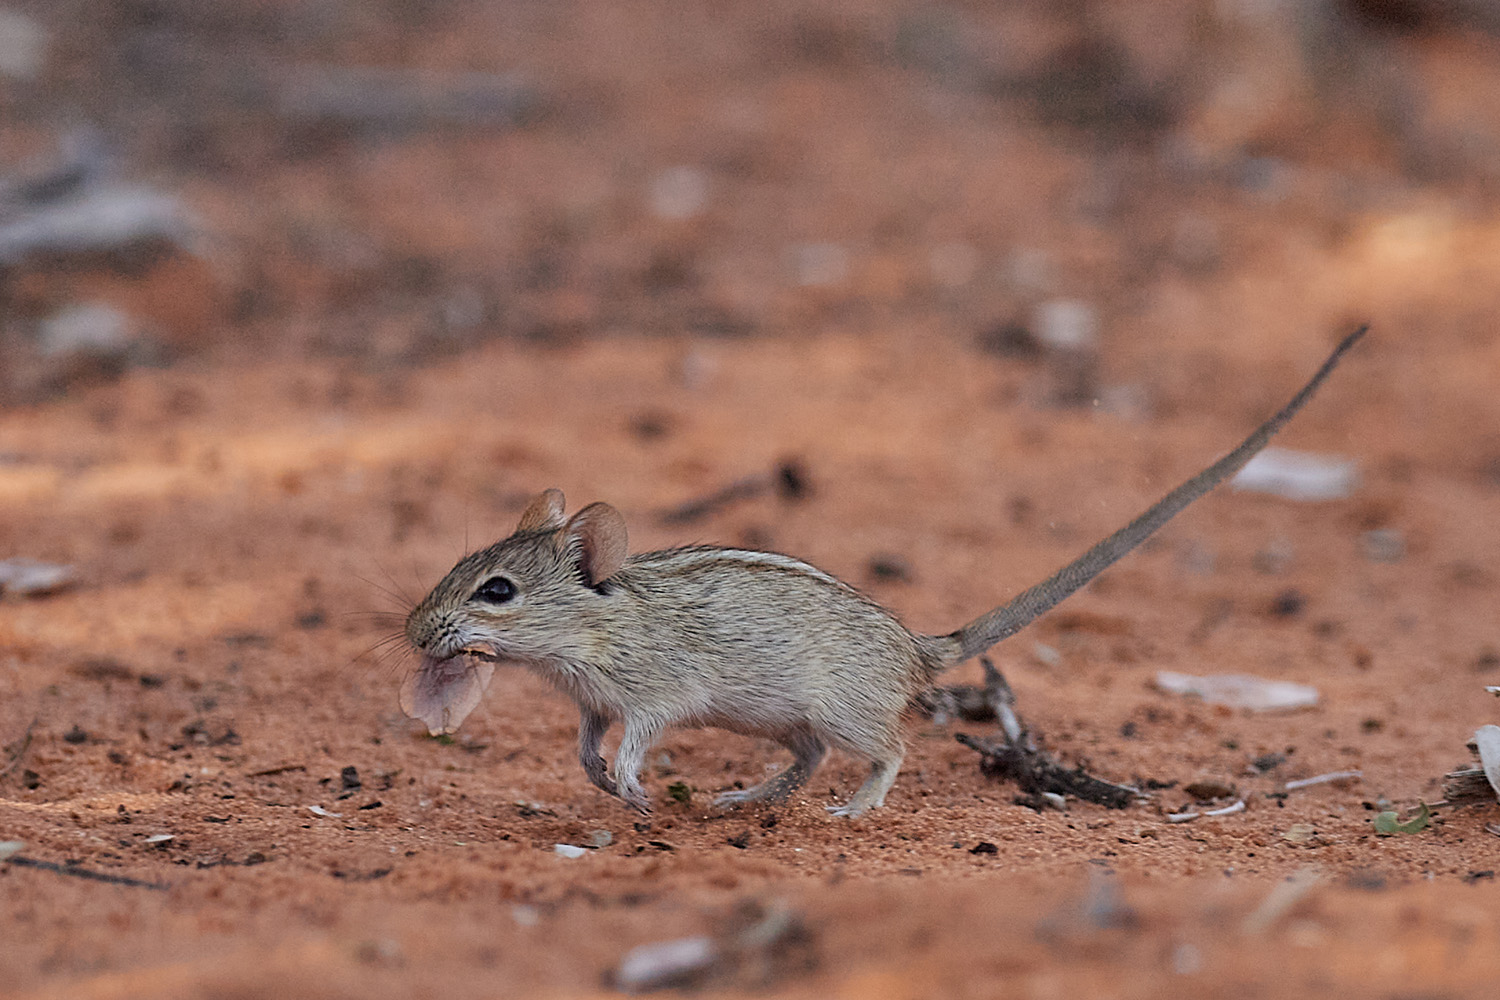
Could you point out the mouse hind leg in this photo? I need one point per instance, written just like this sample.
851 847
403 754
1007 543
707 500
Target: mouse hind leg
871 794
869 729
808 750
875 735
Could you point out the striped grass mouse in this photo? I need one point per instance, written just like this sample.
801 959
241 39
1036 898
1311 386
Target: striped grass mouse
757 643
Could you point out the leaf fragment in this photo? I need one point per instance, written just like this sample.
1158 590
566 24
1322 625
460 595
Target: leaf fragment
1299 833
1389 823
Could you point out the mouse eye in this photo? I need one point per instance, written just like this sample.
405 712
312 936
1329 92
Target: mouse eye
495 590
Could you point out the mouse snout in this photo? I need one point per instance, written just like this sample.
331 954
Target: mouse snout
420 629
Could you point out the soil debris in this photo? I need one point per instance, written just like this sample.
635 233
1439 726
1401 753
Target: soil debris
29 578
1254 694
1295 475
788 481
77 871
755 947
1016 758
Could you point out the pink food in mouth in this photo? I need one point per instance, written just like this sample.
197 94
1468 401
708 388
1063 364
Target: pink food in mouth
441 693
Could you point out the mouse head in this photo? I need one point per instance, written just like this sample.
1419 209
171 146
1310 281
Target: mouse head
527 596
530 597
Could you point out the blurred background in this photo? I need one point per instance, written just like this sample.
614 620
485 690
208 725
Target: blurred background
387 183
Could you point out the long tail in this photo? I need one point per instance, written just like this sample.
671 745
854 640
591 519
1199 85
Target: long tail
1005 621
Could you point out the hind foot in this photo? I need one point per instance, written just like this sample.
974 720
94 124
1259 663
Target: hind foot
871 794
777 789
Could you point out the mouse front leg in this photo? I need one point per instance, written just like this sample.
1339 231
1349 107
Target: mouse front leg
640 732
591 730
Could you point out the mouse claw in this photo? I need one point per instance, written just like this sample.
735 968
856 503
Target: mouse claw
640 803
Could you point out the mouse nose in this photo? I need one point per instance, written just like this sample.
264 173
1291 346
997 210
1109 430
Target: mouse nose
419 629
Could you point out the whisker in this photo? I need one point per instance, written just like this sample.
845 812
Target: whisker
390 619
400 589
401 600
385 645
390 661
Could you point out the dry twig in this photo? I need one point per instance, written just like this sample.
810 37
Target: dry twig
1322 779
787 480
76 872
1036 771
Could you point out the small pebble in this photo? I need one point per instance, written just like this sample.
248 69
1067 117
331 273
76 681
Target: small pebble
1383 545
819 265
1275 559
1268 762
1067 325
1187 960
27 578
1196 558
1268 176
1288 604
791 480
666 964
1298 475
1255 694
91 328
890 568
1208 791
679 193
1010 340
381 951
569 850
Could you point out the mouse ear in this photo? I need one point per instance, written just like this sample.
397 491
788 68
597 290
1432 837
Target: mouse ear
599 533
545 513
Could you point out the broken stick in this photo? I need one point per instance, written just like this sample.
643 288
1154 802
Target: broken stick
1019 759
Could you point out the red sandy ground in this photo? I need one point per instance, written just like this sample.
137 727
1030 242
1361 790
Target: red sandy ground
234 516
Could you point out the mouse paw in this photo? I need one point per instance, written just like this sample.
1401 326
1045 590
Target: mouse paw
849 810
